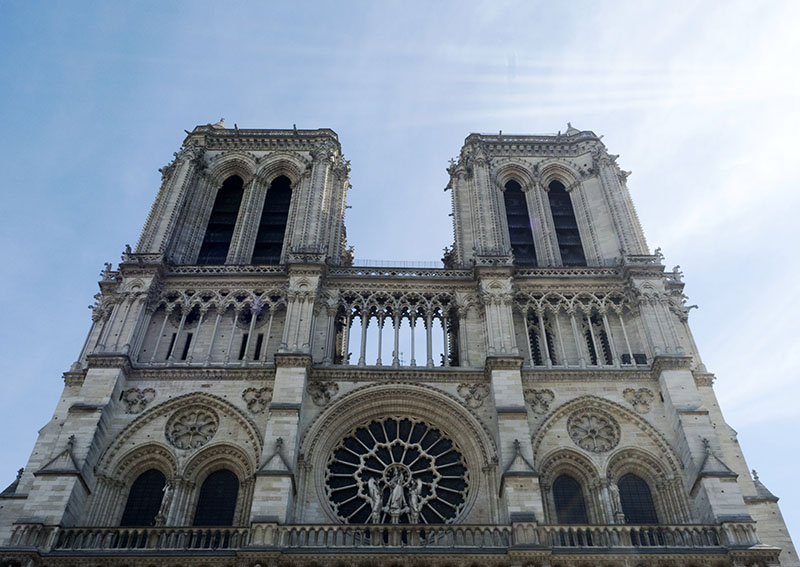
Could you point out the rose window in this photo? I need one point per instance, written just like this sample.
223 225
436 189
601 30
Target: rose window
398 471
594 431
192 428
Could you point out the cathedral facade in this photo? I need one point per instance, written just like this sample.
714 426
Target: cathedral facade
247 396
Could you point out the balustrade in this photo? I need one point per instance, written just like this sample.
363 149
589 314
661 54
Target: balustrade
677 538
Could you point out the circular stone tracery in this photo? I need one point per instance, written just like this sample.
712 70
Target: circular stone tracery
192 428
396 470
593 430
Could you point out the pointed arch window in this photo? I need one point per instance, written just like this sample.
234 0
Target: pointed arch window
219 231
144 499
520 231
216 504
568 497
636 500
272 227
567 234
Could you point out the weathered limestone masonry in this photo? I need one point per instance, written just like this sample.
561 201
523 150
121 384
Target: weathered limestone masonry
247 396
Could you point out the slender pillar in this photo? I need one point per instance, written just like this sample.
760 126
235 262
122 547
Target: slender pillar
213 336
611 345
264 358
413 321
429 339
233 332
167 312
445 349
548 360
253 317
379 362
330 339
128 305
346 336
564 360
597 357
625 334
576 338
396 354
171 356
362 359
197 334
528 339
109 323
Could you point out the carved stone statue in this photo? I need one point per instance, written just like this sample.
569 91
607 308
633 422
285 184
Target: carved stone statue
397 500
415 501
375 500
166 502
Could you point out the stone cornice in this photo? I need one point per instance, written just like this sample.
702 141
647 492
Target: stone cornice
536 376
109 360
292 360
389 374
503 363
203 374
665 362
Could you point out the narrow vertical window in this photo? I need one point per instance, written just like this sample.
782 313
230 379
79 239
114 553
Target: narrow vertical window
520 231
259 344
243 348
568 497
272 228
217 501
144 499
636 500
219 231
186 346
567 234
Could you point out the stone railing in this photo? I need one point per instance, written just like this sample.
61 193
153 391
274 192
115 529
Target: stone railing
371 536
166 538
679 538
399 272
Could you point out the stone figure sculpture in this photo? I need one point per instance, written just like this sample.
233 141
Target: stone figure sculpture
375 500
415 502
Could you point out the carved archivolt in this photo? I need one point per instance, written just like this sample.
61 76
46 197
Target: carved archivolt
620 414
153 420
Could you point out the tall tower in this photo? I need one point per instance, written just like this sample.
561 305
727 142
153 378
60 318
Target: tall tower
246 396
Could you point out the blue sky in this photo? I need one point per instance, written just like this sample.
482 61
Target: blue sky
700 99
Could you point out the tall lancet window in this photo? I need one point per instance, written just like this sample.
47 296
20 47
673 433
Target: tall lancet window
520 231
272 228
219 231
567 234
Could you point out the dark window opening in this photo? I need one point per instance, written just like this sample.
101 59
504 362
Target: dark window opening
186 346
567 234
636 500
243 348
219 231
259 343
639 358
568 497
171 344
217 502
520 231
272 228
144 499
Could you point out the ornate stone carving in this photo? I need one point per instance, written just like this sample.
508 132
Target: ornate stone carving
136 400
192 428
257 399
473 394
322 392
539 400
640 399
401 470
593 430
